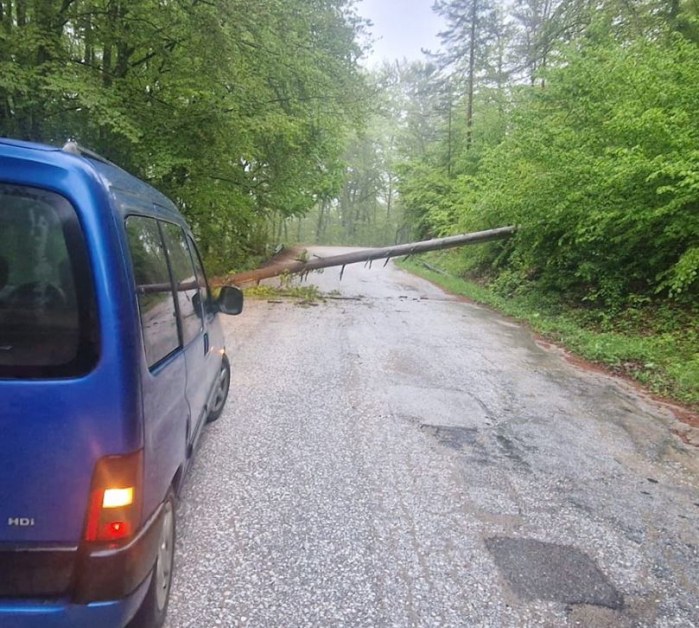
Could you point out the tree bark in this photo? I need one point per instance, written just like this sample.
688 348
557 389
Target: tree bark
471 74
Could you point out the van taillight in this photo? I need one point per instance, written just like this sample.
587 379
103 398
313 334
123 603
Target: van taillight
114 510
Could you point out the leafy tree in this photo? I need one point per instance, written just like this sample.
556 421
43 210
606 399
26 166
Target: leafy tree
535 36
601 173
237 109
589 144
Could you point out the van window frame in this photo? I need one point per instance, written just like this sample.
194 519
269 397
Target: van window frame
137 291
88 342
207 300
194 257
185 338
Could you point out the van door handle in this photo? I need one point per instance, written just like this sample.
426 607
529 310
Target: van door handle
206 343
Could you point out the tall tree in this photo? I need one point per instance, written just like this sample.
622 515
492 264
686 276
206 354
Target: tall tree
466 44
536 35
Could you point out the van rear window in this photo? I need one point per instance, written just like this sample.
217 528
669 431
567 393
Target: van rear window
48 321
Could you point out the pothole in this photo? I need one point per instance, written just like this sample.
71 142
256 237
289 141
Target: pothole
452 436
546 571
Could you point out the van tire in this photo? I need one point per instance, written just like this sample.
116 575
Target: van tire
223 383
152 611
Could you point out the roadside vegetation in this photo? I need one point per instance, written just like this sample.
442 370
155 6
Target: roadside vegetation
286 288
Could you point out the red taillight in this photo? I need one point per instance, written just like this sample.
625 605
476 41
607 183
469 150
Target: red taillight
115 498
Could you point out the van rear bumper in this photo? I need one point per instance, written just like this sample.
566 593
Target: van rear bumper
82 575
62 613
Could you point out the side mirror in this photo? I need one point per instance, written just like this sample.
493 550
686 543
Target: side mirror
230 300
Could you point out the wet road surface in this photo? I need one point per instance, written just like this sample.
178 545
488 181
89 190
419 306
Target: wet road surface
394 456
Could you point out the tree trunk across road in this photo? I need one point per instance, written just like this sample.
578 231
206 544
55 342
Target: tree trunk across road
395 456
345 256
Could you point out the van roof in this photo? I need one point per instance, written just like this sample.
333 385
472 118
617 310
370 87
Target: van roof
72 157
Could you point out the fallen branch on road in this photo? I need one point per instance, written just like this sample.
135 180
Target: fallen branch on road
368 255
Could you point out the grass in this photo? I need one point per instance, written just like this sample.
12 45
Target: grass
655 345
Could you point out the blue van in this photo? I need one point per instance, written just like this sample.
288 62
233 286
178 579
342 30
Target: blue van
112 359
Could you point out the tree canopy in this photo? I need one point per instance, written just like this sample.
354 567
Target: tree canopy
237 109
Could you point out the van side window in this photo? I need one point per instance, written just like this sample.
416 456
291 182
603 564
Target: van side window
185 279
153 287
204 293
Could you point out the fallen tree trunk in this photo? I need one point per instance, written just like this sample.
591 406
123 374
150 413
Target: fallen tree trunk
368 255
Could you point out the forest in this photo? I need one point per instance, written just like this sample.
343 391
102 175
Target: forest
575 120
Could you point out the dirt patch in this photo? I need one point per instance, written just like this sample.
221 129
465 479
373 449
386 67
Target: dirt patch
688 437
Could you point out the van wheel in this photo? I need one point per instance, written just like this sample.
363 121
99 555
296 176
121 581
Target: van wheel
223 383
152 612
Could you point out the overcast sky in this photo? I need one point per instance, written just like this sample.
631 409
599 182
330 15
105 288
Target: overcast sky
401 28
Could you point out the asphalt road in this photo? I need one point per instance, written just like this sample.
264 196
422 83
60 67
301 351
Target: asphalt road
394 456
